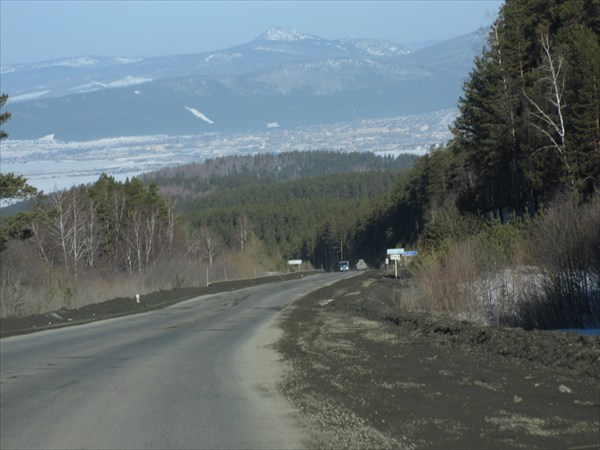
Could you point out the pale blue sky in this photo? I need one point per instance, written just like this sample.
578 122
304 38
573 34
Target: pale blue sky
32 31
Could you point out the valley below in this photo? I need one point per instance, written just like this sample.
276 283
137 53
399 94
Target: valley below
50 164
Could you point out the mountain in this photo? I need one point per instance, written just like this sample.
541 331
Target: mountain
283 78
275 47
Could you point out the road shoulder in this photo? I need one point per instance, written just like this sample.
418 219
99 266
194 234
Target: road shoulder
366 374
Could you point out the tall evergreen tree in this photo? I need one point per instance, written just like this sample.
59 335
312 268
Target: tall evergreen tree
583 101
13 187
4 116
528 123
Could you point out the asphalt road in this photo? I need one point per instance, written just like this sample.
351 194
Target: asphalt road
194 375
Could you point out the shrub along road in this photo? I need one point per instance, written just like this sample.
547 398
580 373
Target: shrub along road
10 326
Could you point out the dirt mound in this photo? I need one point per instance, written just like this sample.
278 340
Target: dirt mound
368 374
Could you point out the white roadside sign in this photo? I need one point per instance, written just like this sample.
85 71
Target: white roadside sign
395 251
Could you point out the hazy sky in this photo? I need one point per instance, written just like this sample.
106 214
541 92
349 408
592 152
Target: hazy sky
33 31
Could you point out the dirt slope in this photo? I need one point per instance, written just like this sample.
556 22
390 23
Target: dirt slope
368 375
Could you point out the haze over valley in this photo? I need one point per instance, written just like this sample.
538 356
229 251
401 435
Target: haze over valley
75 118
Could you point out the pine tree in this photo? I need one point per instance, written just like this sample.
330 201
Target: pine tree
528 122
583 101
3 116
13 187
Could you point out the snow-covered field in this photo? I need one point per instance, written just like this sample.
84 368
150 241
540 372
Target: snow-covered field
503 292
50 164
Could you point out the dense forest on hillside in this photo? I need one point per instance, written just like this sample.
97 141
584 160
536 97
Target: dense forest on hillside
301 205
517 186
228 217
229 172
529 123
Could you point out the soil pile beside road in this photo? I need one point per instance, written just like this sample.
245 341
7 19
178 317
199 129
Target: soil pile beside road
116 307
367 374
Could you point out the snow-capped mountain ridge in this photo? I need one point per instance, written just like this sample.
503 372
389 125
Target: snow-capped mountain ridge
274 47
96 85
84 62
286 34
377 47
284 77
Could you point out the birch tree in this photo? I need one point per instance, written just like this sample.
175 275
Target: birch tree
92 233
60 230
77 229
243 230
211 243
548 109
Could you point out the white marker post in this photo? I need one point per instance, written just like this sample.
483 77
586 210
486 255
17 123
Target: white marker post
396 258
395 254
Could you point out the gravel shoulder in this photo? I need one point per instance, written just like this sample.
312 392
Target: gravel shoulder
366 374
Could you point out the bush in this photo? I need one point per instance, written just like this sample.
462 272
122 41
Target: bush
542 273
565 245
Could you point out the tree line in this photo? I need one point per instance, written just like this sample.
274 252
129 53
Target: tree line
233 216
109 225
236 171
300 205
529 122
506 214
528 127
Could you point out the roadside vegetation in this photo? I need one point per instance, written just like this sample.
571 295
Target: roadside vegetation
540 273
506 215
229 218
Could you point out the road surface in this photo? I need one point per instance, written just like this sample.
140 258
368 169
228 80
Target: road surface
194 375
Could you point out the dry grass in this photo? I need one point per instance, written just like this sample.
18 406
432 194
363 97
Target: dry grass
28 285
565 246
548 279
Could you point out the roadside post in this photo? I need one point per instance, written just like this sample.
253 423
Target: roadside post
294 262
395 254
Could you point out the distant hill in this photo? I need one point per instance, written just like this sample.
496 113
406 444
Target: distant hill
234 172
299 204
284 78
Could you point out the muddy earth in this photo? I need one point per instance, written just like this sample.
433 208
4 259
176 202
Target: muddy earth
366 374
